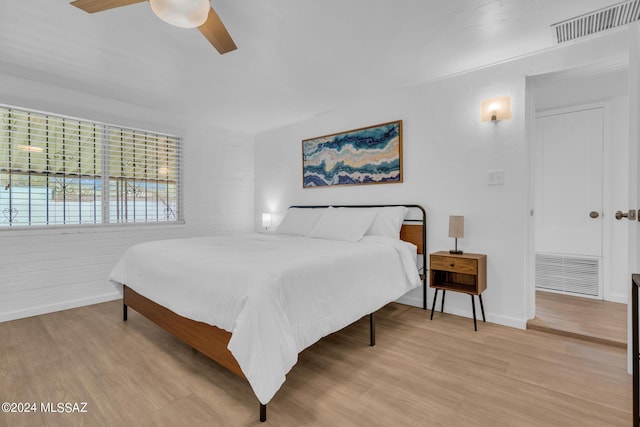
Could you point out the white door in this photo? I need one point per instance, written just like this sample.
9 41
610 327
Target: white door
569 201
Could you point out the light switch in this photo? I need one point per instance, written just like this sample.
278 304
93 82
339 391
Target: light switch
496 177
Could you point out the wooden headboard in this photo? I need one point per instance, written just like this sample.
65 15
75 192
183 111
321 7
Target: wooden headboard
412 233
414 230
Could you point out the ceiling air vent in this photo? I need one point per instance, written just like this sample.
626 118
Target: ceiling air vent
597 21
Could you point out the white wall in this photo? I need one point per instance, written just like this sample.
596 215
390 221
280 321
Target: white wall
54 269
568 89
447 153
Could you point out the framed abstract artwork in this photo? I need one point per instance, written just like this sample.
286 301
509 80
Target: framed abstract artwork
370 155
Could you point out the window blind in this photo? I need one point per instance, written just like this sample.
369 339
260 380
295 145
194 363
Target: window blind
57 170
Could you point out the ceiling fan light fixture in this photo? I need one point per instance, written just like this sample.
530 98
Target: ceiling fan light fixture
181 13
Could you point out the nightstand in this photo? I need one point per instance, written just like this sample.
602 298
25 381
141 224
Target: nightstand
465 273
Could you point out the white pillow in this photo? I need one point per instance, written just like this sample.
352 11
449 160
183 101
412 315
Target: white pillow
348 224
299 221
388 221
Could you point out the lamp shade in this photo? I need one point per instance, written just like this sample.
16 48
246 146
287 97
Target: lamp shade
456 226
182 13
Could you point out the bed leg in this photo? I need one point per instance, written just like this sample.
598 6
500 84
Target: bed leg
124 312
372 330
263 413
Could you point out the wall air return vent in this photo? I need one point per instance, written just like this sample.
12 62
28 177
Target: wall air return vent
594 22
577 275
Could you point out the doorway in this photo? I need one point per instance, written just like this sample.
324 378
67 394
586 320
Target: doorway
569 200
579 162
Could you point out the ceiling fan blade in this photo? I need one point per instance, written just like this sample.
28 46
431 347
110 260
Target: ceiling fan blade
92 6
215 31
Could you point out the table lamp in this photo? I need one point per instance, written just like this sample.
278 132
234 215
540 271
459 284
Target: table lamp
266 220
456 230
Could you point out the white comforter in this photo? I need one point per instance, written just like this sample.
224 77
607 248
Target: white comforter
277 294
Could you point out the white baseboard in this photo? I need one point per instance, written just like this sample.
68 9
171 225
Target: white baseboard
59 306
512 322
619 298
410 300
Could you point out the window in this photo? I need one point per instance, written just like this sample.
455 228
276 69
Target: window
58 170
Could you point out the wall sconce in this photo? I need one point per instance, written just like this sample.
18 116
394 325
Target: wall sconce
266 221
495 109
456 230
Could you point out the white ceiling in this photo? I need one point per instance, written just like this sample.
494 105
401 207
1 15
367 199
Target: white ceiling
295 58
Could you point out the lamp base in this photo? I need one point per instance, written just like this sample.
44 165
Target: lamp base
456 251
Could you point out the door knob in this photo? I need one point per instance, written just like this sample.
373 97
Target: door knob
631 215
594 214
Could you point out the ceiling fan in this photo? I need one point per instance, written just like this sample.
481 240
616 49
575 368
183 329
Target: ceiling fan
181 13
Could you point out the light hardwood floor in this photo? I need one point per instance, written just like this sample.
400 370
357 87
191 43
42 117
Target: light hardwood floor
420 373
594 320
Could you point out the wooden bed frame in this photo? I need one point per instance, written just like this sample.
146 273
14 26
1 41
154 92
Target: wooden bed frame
213 341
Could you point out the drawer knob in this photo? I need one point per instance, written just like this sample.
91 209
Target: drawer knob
452 265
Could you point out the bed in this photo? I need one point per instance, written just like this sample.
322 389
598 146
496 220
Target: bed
253 301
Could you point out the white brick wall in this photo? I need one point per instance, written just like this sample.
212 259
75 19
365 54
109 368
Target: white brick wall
50 270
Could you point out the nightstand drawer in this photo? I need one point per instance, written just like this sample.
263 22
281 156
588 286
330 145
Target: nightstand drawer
454 264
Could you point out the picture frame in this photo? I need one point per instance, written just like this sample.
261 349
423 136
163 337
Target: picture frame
368 155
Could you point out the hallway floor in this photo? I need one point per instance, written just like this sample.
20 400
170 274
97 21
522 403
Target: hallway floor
584 318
